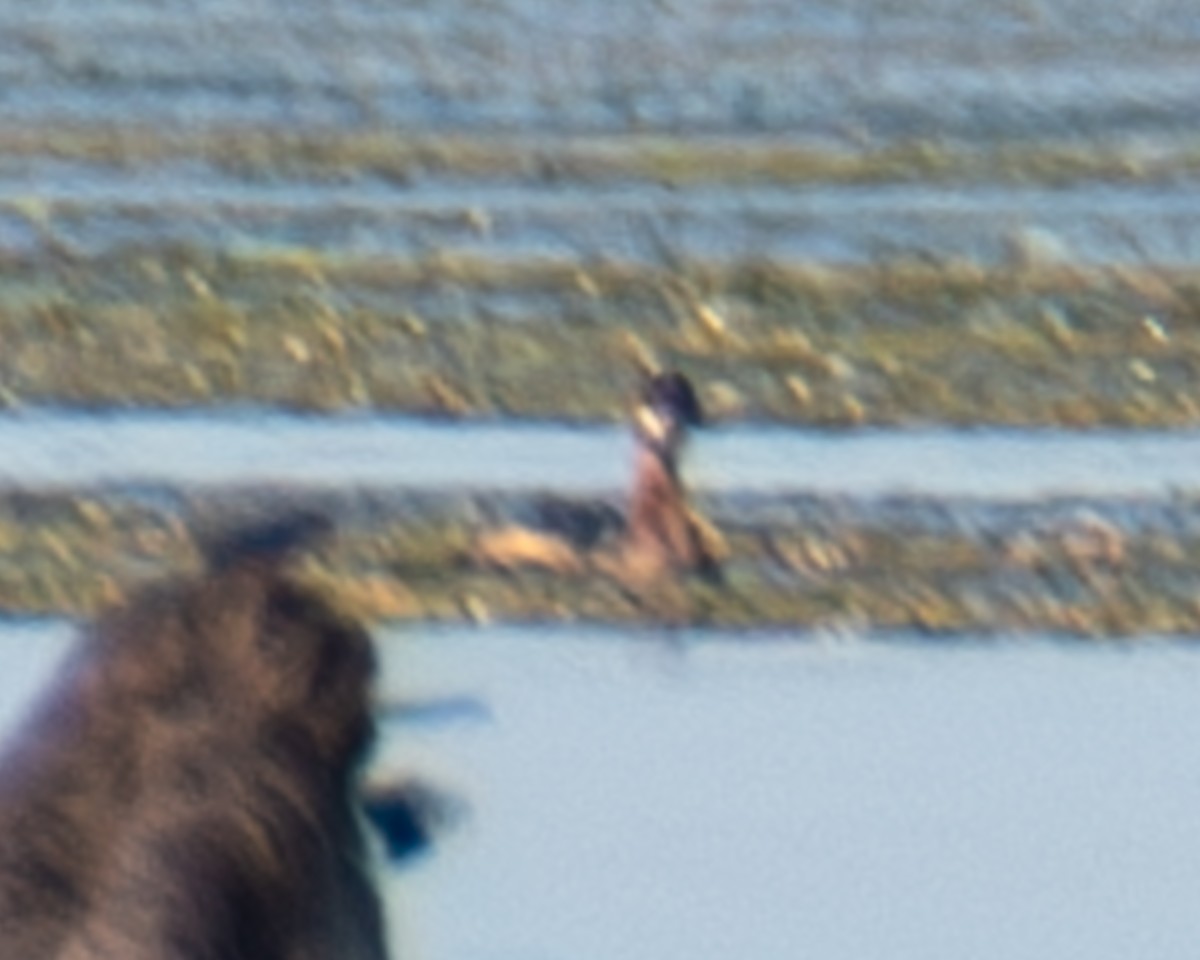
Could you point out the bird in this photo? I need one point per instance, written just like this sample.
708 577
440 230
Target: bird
659 535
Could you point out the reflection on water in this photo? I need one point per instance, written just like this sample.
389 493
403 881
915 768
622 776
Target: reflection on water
682 797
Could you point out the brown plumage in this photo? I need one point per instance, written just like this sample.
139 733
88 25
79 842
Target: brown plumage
661 534
186 790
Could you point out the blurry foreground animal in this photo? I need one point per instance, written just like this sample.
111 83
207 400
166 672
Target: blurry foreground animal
187 790
660 534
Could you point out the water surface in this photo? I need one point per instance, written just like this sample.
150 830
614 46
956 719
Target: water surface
832 798
686 797
213 449
856 76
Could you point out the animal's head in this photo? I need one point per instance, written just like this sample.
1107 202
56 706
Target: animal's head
667 408
294 658
245 647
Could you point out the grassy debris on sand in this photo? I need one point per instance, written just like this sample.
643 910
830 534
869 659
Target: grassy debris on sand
231 317
1085 568
890 343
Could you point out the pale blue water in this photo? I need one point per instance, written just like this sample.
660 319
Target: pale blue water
212 450
988 69
830 798
93 211
851 76
683 798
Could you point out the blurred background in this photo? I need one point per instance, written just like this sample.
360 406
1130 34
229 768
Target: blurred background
241 242
934 267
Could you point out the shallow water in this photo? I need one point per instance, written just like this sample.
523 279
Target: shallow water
199 451
93 213
834 798
992 68
662 797
855 76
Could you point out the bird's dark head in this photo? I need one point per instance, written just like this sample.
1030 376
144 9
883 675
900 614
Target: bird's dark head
666 408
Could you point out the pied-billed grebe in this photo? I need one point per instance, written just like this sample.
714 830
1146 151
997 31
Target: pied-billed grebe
660 534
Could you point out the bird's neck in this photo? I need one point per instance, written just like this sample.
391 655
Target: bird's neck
658 495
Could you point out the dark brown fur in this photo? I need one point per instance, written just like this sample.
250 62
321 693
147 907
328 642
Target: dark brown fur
186 791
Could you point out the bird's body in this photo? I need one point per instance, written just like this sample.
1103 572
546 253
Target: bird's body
660 535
